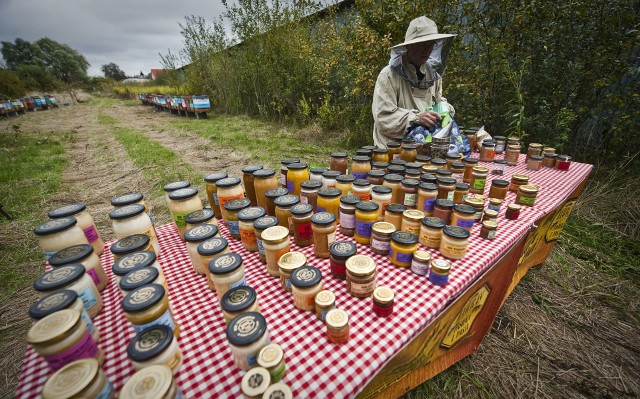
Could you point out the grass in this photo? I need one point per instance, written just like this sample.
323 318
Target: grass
31 166
450 383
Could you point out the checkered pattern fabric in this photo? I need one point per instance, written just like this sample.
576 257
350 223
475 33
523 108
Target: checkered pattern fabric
315 367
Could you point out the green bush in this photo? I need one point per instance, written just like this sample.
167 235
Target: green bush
10 85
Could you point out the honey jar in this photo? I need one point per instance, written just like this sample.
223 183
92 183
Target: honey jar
340 251
325 301
148 305
155 345
271 357
337 322
361 276
247 334
403 245
79 379
306 282
431 232
287 264
454 242
238 300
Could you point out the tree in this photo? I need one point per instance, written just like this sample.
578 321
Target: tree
113 71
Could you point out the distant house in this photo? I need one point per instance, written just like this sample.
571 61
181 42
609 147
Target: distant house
134 80
157 72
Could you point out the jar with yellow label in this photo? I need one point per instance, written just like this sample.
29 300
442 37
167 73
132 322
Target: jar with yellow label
361 276
360 166
210 249
131 219
306 282
518 180
454 242
84 255
140 276
469 163
527 194
130 244
211 188
431 232
247 334
339 162
463 216
337 322
199 217
65 299
71 277
248 180
478 179
499 189
394 214
427 196
323 225
283 210
238 300
182 202
63 337
79 379
297 173
411 219
512 154
329 201
259 226
150 383
227 271
403 245
325 301
393 150
395 182
246 218
85 222
381 237
381 195
231 210
271 357
439 271
57 234
383 301
344 183
155 345
147 306
287 264
276 243
193 237
264 180
366 215
409 152
534 149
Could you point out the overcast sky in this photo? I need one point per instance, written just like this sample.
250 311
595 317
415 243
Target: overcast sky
129 33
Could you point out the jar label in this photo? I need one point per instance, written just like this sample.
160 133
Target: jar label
450 195
527 200
404 257
224 200
320 209
396 156
248 237
410 199
179 394
478 184
242 281
465 223
363 288
451 250
419 268
85 316
164 320
491 234
94 276
91 233
290 186
363 229
346 220
280 253
304 199
331 238
438 279
179 218
107 390
380 245
305 231
429 203
478 216
84 349
215 198
283 179
363 196
499 147
430 241
287 283
234 227
359 175
88 297
337 268
260 246
494 207
278 373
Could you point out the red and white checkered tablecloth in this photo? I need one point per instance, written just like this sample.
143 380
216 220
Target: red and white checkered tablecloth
315 367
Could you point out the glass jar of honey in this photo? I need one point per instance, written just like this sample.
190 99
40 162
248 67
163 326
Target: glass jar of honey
264 180
512 212
563 162
443 209
366 215
469 163
296 174
324 233
301 221
208 250
534 162
316 173
393 150
211 188
549 160
409 152
309 192
287 264
347 214
512 154
360 166
478 204
283 210
381 195
340 252
246 218
306 282
380 155
463 216
339 162
427 196
376 177
337 321
231 209
499 189
284 169
361 276
518 180
362 189
259 226
403 245
488 151
534 149
271 196
344 183
454 243
329 178
478 179
329 201
431 232
275 241
411 219
85 222
527 194
247 180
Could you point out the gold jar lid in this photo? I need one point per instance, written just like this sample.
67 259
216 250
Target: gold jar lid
325 298
474 202
71 379
495 201
275 234
519 178
413 214
440 265
279 390
361 265
429 168
291 261
513 147
549 149
53 327
529 189
491 213
489 224
270 355
383 228
148 383
514 207
480 169
255 382
422 256
535 145
337 318
383 295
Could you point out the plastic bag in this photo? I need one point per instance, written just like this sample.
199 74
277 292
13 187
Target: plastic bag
457 141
